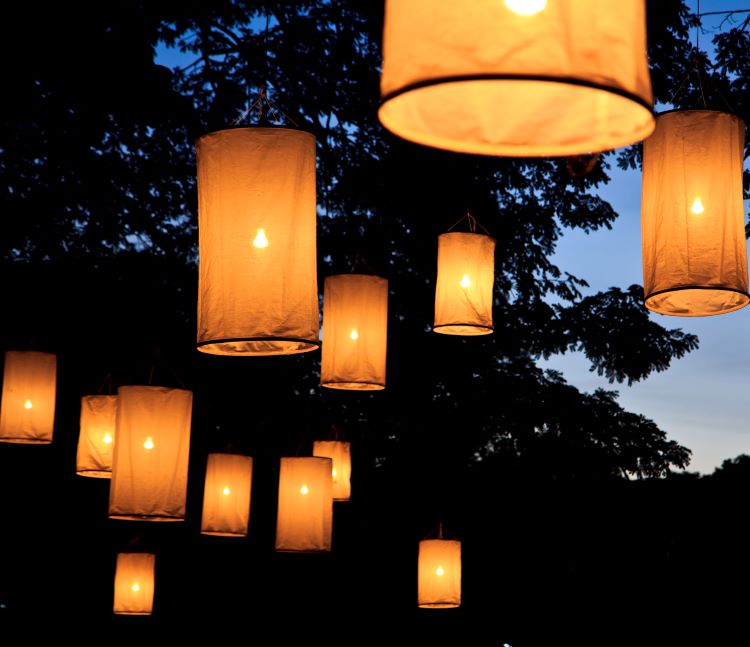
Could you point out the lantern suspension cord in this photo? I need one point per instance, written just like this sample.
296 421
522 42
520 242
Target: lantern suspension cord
473 223
108 382
359 261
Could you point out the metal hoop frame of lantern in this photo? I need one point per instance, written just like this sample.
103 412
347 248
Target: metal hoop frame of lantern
439 573
134 584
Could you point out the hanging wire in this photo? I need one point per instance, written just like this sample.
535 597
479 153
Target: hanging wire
360 262
473 223
108 382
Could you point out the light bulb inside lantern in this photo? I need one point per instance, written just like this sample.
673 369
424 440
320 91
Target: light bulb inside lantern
439 571
27 404
465 281
107 438
136 587
226 491
354 334
333 472
697 207
149 444
526 7
260 240
303 490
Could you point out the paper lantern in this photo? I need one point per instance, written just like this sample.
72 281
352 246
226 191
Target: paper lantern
516 77
27 412
465 279
226 495
150 461
257 287
439 573
97 435
339 452
134 584
692 219
305 515
355 330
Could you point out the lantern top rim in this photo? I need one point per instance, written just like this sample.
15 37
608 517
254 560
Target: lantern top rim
711 110
151 387
468 233
356 274
304 131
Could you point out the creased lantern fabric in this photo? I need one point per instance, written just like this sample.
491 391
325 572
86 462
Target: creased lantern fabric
692 216
355 332
339 452
439 577
96 438
305 512
226 495
27 410
150 460
479 77
134 584
257 290
465 279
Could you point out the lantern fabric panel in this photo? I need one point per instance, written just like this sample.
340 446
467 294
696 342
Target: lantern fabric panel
257 291
305 513
134 584
97 435
150 461
339 452
465 282
355 332
226 495
481 77
27 410
692 216
439 577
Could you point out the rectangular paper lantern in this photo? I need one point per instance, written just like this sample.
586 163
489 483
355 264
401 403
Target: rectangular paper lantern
96 438
439 573
226 495
134 584
27 412
150 462
305 515
339 452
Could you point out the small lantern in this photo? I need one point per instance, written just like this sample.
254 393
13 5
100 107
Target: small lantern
257 286
134 584
27 412
521 78
340 453
465 279
355 331
439 573
97 435
150 462
305 516
226 495
692 218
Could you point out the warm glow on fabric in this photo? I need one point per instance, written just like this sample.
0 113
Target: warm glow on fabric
439 573
339 452
134 584
526 7
96 435
226 495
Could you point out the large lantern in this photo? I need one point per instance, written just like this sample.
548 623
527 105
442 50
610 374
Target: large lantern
226 495
439 579
257 289
150 462
134 584
305 514
355 331
339 452
27 412
516 77
692 219
97 435
465 278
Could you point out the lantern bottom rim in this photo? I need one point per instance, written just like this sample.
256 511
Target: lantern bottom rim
697 300
219 533
466 329
145 517
313 550
132 613
439 605
25 441
354 386
98 474
257 346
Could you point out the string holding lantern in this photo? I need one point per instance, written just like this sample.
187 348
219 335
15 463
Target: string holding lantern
134 584
339 451
226 495
439 573
96 436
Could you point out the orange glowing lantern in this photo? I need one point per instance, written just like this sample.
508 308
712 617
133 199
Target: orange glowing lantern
134 584
339 452
96 438
439 577
226 495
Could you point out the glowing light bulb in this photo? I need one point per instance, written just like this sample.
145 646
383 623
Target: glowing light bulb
304 490
149 444
440 571
697 206
260 240
107 438
526 7
333 472
136 587
465 281
354 334
226 491
27 404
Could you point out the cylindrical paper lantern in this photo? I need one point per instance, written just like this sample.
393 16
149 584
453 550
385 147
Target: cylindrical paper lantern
339 452
516 77
692 219
226 495
465 278
305 515
257 289
27 412
134 584
96 438
150 462
355 330
439 573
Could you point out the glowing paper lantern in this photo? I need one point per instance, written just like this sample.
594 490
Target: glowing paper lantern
150 462
96 438
692 219
339 452
226 495
439 577
355 330
305 515
257 289
134 584
516 77
466 276
27 412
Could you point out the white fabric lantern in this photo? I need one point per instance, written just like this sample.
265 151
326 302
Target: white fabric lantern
339 452
226 495
134 584
439 573
96 437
